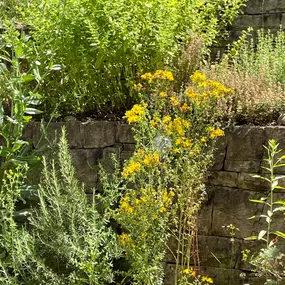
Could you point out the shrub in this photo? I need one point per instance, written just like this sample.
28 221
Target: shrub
104 45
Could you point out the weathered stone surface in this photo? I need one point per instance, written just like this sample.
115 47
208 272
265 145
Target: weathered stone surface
219 154
258 21
242 165
232 206
219 251
205 219
244 143
124 133
247 182
53 131
268 6
223 178
97 134
85 162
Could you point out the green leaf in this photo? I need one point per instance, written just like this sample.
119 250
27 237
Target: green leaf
280 234
251 238
279 202
33 111
259 201
56 67
261 234
27 78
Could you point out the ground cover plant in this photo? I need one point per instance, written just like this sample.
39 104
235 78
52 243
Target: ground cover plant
101 47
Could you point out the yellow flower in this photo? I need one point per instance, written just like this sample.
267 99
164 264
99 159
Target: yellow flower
198 77
185 107
190 93
166 119
162 209
207 279
187 271
138 86
151 159
147 76
131 169
162 94
174 101
163 74
135 114
153 123
125 238
217 133
203 139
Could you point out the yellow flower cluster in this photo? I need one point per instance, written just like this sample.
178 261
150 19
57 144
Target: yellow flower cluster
141 159
178 125
159 74
132 168
207 279
198 77
135 114
212 88
125 206
125 238
183 142
214 133
151 159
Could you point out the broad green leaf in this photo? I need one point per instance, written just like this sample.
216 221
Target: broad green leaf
27 78
261 234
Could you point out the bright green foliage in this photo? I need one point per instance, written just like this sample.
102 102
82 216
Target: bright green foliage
103 45
263 55
18 99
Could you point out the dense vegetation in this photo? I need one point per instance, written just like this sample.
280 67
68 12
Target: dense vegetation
149 60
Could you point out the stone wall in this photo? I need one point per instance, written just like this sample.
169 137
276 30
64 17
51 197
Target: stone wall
229 187
269 14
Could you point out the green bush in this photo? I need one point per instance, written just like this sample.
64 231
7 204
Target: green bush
103 45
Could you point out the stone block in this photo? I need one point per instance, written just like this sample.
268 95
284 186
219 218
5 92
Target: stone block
245 143
53 131
85 162
247 182
257 21
205 219
233 206
223 178
96 134
125 133
242 165
219 154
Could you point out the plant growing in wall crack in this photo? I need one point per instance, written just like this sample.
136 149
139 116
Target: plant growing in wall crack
268 261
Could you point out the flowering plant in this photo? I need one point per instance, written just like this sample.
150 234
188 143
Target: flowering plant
175 134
